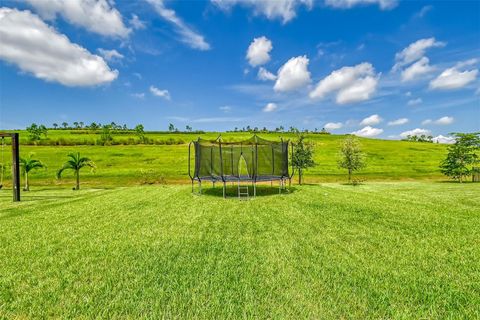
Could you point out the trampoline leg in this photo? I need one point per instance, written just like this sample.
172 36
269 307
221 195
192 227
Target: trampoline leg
254 189
200 186
192 185
224 186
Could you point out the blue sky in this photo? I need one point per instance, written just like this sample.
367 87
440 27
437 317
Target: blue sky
379 68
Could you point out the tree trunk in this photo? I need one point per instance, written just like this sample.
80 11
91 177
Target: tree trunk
27 187
300 176
78 179
349 175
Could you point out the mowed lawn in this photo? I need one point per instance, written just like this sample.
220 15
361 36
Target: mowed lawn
404 250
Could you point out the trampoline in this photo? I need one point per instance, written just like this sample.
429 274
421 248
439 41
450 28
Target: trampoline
249 161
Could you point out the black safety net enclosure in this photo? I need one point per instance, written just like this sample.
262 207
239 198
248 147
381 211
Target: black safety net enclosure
251 160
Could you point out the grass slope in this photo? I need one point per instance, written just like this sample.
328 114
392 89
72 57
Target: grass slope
137 164
383 250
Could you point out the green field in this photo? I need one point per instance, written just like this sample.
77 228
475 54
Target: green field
403 250
124 165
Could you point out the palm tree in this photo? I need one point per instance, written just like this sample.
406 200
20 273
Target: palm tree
28 164
75 163
64 125
55 126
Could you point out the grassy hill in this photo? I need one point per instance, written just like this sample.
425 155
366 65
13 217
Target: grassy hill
377 251
166 161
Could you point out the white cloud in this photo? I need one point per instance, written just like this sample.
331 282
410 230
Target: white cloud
258 52
346 4
98 16
270 107
454 78
110 55
417 69
265 75
415 51
293 74
39 49
443 139
398 122
160 93
333 125
140 95
372 120
286 10
414 102
187 35
415 132
225 109
441 121
136 23
352 84
368 132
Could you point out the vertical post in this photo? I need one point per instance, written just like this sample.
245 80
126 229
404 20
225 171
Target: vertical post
15 167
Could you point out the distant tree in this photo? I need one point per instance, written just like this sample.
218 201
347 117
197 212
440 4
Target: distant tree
106 136
76 125
76 163
140 132
64 125
125 128
236 129
248 128
461 156
351 156
302 158
188 128
171 127
55 126
28 164
281 128
35 132
94 126
43 130
255 129
81 123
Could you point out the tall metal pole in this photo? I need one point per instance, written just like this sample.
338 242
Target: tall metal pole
15 167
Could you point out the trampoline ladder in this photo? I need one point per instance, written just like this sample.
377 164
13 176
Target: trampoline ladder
243 192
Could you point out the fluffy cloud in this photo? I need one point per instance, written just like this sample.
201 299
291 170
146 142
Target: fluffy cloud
160 93
454 78
352 84
225 109
140 95
270 107
265 75
415 51
283 9
398 122
417 69
345 4
258 52
441 121
443 139
136 23
39 49
110 55
293 74
415 132
368 132
333 125
187 35
97 16
414 102
372 120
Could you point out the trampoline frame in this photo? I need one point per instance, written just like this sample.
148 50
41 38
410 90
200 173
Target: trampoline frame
225 178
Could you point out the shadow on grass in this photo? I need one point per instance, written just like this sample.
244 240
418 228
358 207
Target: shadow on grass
232 191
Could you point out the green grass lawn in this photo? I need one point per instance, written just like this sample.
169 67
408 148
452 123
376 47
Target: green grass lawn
124 165
404 250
